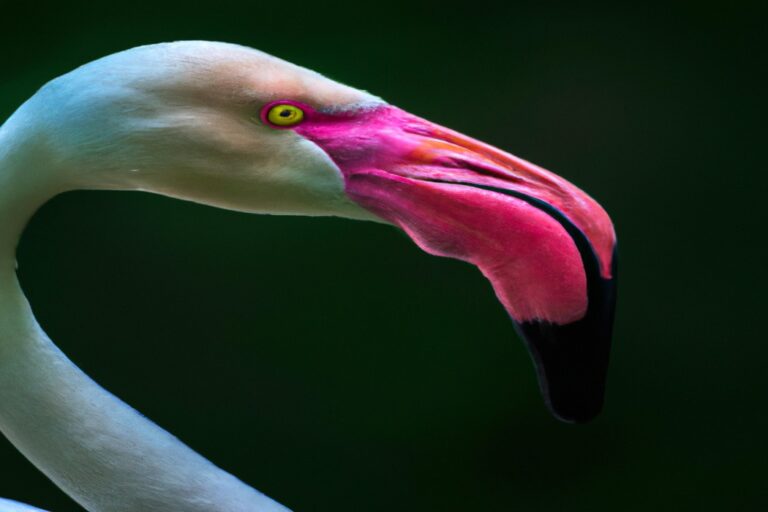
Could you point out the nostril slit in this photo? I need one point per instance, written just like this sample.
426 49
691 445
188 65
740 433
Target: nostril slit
477 167
451 162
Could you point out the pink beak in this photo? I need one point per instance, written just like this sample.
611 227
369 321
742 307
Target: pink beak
547 248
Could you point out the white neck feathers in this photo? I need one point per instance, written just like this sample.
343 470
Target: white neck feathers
99 450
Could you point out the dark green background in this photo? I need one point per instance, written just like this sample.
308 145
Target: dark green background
333 365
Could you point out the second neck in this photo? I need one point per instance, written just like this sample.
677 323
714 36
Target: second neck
27 180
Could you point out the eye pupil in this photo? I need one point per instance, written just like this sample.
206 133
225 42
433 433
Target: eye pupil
284 115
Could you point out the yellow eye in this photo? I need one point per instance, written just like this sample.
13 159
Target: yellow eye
285 115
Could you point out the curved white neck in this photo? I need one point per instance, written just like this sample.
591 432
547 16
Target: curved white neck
100 451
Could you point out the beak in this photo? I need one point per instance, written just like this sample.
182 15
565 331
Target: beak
547 248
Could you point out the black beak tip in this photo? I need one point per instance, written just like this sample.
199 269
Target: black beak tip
571 364
572 360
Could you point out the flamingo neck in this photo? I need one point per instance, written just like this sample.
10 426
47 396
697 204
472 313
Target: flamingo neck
93 446
25 184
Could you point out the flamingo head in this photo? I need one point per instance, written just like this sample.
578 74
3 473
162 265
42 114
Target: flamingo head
233 127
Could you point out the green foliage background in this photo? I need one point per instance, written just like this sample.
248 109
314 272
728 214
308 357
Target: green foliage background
333 365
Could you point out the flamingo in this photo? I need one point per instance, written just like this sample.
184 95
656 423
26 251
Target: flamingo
235 128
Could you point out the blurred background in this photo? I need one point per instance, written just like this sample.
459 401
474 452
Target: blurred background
336 367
